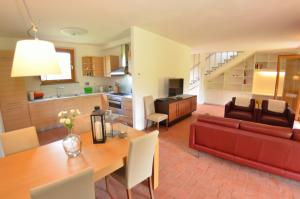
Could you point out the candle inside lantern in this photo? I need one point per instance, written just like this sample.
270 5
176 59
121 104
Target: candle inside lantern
98 130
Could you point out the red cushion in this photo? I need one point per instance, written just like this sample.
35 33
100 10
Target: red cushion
275 131
296 135
228 122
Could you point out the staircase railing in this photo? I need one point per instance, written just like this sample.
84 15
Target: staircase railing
216 59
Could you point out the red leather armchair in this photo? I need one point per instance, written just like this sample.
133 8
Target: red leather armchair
266 116
240 112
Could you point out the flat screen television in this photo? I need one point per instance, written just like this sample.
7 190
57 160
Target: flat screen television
175 87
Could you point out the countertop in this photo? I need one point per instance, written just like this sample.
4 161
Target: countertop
73 96
174 99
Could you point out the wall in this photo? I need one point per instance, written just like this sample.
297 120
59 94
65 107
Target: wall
34 83
155 59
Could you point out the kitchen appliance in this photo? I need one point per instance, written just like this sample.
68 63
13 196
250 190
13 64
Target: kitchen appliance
123 68
115 101
175 87
38 95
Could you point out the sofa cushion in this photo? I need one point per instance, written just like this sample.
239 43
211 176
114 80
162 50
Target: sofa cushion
277 106
275 131
228 122
274 120
242 101
242 115
296 135
238 105
216 137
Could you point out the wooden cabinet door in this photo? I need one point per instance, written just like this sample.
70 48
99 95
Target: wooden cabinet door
98 67
194 104
44 115
173 111
13 97
184 107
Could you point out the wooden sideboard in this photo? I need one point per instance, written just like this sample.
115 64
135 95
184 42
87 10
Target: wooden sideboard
176 108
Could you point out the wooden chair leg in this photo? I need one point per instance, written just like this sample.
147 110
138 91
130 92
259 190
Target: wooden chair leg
106 183
146 124
167 124
158 126
129 195
150 187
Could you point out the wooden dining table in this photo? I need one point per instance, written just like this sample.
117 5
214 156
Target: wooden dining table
25 170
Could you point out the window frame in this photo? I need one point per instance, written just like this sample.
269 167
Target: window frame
65 81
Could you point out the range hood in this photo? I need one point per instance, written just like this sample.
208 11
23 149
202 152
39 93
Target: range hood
123 68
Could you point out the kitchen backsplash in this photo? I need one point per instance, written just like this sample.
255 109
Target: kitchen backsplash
34 84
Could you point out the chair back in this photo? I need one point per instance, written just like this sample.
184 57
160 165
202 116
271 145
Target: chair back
149 105
274 107
243 104
140 158
78 186
104 102
19 140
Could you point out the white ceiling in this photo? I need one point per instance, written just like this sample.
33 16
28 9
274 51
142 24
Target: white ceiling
201 24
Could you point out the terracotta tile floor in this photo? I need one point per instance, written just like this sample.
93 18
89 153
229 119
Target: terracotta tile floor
183 175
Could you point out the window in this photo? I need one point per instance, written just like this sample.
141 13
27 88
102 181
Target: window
66 62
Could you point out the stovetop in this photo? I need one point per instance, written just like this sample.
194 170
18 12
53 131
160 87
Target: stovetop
120 94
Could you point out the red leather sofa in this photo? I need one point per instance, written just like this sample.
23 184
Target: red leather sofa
269 148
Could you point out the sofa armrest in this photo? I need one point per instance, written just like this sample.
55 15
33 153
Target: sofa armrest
227 108
290 116
258 113
296 135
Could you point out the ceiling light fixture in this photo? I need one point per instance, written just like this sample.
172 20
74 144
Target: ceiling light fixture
73 31
34 57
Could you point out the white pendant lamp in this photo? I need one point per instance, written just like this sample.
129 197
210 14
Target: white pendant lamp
34 57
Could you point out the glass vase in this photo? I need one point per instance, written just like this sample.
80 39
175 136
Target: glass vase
72 144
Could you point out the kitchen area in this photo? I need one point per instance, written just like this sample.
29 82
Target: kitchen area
102 78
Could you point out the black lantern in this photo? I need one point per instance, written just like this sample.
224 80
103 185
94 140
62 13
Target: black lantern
98 125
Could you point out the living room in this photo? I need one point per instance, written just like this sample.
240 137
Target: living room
167 99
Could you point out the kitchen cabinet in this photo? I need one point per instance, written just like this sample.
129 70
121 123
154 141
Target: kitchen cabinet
126 116
176 109
44 113
13 96
99 66
93 66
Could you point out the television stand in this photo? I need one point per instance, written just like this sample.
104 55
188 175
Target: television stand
177 107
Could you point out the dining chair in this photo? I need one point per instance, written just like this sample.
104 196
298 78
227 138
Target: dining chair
104 102
77 186
19 140
150 113
138 165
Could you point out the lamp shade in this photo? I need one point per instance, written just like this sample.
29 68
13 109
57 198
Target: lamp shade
35 58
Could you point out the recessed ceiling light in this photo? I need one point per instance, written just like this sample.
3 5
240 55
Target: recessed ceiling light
73 31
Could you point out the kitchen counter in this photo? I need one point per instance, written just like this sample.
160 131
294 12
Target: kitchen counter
73 96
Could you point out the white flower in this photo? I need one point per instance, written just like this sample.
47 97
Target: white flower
67 121
60 114
72 111
65 112
78 112
62 120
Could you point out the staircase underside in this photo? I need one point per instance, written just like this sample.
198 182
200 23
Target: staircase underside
232 63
